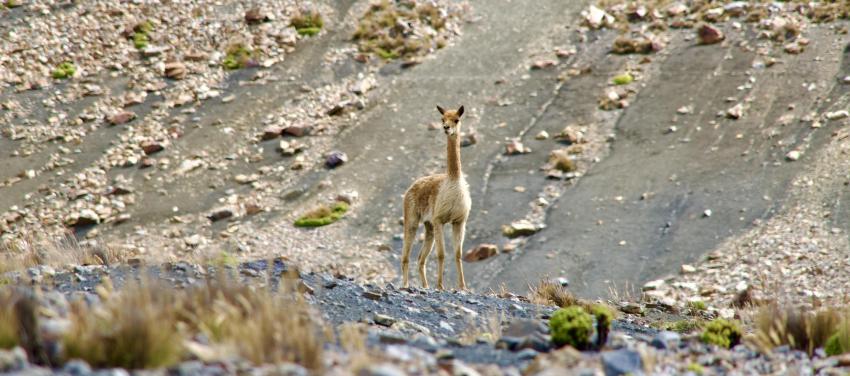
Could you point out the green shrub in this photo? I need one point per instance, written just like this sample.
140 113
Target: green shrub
722 333
322 215
571 326
604 317
838 343
64 70
695 368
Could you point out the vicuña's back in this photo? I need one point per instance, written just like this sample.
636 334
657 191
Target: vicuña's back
437 200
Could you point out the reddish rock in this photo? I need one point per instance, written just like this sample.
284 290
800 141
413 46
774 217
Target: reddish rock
481 252
541 64
709 34
251 209
298 130
152 147
121 117
271 133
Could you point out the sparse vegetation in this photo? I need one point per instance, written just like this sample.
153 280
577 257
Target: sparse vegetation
322 215
681 326
64 70
797 328
145 325
571 326
134 329
723 333
237 56
695 368
34 250
9 327
307 23
697 305
387 29
548 292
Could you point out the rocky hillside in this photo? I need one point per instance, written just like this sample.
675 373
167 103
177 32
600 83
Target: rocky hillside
681 163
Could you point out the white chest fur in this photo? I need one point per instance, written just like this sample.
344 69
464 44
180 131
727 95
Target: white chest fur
453 202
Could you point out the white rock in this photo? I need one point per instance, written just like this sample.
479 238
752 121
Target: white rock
837 115
686 269
653 285
793 155
542 135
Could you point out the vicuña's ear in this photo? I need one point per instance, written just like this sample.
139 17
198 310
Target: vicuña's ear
460 111
442 111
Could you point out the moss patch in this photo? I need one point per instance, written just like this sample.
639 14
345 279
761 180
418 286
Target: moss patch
571 326
722 333
681 326
140 40
322 215
623 79
838 343
307 23
64 70
387 29
238 56
141 34
697 305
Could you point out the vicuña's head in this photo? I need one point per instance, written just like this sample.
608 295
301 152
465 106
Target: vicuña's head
451 120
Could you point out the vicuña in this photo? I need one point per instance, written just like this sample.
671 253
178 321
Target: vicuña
437 200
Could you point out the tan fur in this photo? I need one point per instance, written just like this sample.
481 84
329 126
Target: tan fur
437 200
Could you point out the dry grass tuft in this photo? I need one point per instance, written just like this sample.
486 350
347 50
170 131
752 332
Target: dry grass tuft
9 327
34 250
548 292
146 326
352 337
796 327
134 329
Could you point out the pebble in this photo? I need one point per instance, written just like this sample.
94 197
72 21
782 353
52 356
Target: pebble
622 362
481 252
793 155
335 159
709 34
542 135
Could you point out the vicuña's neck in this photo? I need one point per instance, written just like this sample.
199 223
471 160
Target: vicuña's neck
453 154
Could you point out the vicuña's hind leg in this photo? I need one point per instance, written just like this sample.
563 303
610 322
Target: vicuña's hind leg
424 252
458 229
410 225
441 253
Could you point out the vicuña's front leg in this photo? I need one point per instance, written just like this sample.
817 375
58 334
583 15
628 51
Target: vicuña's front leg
441 253
458 229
